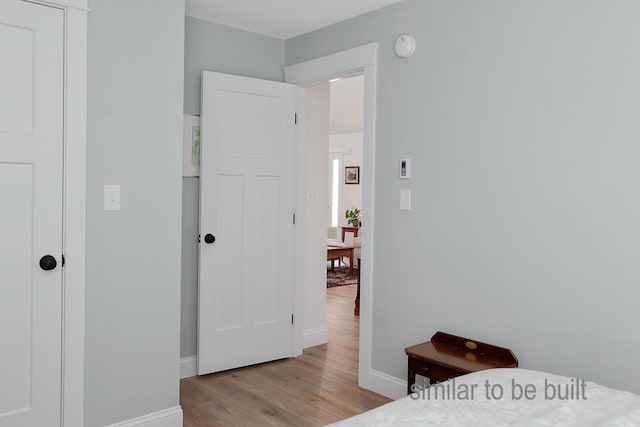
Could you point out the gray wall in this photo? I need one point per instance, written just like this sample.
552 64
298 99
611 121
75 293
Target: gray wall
133 256
213 47
189 299
521 119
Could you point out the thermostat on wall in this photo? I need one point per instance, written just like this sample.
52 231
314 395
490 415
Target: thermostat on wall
405 168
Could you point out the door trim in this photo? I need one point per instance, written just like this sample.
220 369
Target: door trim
70 4
359 60
74 215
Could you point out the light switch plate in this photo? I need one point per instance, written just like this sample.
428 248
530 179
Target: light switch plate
405 200
312 198
112 197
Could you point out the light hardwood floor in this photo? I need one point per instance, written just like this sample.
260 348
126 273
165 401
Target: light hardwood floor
315 389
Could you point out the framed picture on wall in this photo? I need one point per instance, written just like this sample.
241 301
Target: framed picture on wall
191 146
352 175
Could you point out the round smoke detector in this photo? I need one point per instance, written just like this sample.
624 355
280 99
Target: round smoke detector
405 46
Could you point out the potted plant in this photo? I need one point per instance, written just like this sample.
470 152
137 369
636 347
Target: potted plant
353 217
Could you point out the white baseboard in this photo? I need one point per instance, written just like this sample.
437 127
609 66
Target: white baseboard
188 367
171 417
314 337
386 385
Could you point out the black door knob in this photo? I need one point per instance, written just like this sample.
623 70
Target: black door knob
209 238
48 262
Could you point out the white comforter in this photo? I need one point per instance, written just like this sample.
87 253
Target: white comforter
584 403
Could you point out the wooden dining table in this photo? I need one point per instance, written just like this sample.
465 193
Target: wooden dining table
339 252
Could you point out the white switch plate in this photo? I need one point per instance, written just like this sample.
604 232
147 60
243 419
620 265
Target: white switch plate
312 198
405 200
112 197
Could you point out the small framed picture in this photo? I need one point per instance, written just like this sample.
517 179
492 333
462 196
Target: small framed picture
191 146
352 175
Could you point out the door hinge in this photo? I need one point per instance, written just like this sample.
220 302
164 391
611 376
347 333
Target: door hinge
292 318
295 119
198 238
294 219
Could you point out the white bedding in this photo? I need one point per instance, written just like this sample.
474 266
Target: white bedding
587 404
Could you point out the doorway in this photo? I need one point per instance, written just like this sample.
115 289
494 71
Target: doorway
310 299
361 60
344 157
346 102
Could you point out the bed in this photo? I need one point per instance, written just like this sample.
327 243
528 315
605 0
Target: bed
507 397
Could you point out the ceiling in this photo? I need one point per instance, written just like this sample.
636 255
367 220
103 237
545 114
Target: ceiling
282 19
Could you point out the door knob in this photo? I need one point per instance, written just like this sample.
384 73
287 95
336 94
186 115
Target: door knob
209 238
48 262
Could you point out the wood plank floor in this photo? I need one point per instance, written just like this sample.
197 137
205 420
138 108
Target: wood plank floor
315 389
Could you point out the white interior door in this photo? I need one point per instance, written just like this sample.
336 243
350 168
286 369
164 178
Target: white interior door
247 199
31 178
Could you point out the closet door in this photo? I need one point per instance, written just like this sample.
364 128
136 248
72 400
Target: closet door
31 184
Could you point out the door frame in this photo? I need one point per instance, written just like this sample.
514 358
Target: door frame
74 206
355 61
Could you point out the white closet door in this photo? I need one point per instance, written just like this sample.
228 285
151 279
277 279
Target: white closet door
31 182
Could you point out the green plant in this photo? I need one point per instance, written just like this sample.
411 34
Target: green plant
353 217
